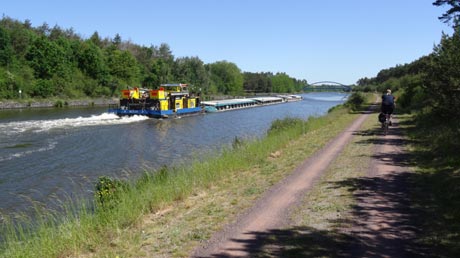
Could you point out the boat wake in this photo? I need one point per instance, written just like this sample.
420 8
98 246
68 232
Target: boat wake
37 126
19 139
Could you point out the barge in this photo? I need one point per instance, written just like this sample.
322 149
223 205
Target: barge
291 98
166 101
232 104
227 104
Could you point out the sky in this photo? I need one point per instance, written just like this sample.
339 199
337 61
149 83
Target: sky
334 40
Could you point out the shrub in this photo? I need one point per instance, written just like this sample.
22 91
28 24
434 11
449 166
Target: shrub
107 191
282 124
355 101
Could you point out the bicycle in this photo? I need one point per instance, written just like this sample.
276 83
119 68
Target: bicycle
386 123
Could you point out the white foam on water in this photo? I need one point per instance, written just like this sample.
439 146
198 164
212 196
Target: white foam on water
13 128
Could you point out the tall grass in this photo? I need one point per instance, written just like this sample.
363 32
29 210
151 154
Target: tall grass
84 225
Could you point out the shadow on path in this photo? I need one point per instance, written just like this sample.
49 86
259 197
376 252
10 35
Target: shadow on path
389 218
395 235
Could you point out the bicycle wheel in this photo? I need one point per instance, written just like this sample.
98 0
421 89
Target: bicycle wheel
385 127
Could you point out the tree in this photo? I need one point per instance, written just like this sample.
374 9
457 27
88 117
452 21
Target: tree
46 58
226 77
442 81
122 65
453 14
96 39
160 72
282 83
165 52
91 60
191 70
116 41
6 50
257 82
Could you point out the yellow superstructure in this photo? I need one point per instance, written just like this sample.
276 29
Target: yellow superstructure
166 100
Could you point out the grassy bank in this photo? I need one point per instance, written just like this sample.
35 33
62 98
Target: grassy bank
168 212
436 196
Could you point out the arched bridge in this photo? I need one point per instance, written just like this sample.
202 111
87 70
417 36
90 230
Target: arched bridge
327 86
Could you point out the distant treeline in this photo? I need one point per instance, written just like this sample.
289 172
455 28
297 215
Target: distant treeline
327 88
430 84
44 62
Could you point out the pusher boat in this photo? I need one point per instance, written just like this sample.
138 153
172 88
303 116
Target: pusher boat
169 100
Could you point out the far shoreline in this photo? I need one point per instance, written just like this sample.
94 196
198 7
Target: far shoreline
57 103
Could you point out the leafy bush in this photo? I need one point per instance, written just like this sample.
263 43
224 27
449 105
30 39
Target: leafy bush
282 124
107 191
355 101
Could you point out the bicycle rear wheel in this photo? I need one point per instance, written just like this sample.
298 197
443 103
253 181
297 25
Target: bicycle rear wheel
385 127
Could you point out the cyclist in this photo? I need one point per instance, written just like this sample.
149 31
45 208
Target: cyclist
388 103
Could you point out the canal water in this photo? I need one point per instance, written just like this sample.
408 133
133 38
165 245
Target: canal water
50 154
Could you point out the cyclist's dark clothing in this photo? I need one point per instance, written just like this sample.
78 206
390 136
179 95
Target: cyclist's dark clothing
388 104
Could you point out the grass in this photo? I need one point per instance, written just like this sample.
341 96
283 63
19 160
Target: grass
436 195
168 212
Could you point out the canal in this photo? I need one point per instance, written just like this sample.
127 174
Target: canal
50 154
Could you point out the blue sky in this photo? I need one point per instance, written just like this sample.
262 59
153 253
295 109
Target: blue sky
333 40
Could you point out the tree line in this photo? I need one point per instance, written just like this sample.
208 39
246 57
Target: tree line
430 84
44 62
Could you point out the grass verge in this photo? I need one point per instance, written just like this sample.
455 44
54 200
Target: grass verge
436 195
168 212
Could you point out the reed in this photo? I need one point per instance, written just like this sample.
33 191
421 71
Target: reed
83 227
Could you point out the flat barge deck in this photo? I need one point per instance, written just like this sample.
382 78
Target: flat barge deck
232 104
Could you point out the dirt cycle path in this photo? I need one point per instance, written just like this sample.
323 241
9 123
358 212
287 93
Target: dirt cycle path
383 224
272 210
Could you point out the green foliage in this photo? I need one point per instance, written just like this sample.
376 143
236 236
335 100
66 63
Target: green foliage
257 82
90 59
123 66
442 81
6 49
192 71
46 62
43 88
282 83
226 77
60 103
283 124
107 192
355 101
412 96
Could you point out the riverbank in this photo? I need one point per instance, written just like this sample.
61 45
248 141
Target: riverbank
48 103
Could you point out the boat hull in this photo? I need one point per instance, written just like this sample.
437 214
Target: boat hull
155 113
